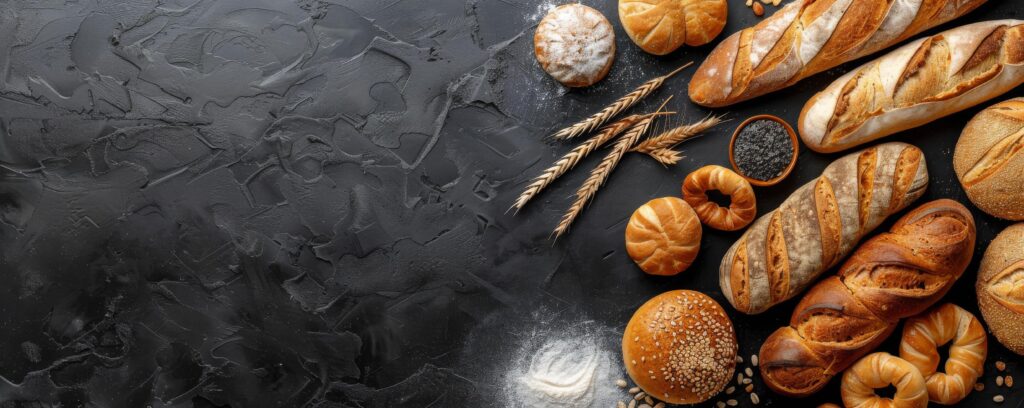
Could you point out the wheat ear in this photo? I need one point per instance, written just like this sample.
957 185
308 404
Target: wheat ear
676 135
617 107
666 156
571 159
603 170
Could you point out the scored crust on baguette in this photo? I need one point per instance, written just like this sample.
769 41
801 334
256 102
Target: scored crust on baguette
916 84
810 36
892 276
785 250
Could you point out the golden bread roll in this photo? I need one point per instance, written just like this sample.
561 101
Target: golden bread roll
880 370
663 236
925 333
989 162
575 44
742 205
680 347
1000 287
661 26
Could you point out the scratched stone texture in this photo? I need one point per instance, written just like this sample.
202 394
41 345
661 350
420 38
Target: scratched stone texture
284 203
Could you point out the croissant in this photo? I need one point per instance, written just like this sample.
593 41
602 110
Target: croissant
894 275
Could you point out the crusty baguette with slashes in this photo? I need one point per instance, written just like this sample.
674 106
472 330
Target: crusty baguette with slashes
894 275
811 36
915 84
819 224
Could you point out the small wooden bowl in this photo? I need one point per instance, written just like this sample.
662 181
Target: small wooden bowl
792 139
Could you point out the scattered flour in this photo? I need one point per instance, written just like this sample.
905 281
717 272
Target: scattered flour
566 369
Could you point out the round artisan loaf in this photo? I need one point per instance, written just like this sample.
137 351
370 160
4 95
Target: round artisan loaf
680 347
575 44
1000 287
988 160
661 26
663 236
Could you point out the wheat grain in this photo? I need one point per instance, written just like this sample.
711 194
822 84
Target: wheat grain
666 157
603 170
617 107
571 159
677 135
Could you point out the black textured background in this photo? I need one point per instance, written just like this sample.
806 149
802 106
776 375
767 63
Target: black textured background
257 203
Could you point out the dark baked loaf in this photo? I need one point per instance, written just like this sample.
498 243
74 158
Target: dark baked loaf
892 276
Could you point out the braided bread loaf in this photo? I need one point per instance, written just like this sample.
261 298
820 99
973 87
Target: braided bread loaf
810 36
916 84
819 224
892 276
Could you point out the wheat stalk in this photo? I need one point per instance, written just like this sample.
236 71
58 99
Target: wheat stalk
571 159
617 107
603 170
676 135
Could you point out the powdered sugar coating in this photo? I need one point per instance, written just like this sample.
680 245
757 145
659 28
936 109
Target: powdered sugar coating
575 44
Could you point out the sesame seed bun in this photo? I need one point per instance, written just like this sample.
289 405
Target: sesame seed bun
1000 287
680 347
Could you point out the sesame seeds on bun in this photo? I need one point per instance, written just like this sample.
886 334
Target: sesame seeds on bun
680 347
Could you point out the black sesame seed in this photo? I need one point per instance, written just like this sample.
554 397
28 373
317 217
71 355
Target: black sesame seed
763 149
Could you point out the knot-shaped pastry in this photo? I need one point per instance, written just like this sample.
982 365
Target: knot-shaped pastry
742 205
922 335
879 370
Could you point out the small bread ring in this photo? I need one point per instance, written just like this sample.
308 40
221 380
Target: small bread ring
923 334
878 370
742 208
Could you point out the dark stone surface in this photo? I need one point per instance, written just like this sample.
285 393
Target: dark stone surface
255 203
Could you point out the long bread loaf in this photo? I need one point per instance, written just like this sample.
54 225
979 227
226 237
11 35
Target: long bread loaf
892 276
810 36
916 84
819 224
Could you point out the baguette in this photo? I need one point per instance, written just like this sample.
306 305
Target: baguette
819 224
892 276
810 36
915 84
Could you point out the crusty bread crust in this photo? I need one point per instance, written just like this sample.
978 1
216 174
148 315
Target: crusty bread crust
922 81
661 26
811 36
819 224
892 276
1001 267
989 160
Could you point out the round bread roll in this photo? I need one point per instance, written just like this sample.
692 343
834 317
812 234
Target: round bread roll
663 236
575 44
989 162
661 26
680 347
1000 287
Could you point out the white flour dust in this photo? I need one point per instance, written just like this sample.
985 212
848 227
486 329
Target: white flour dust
563 371
566 370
